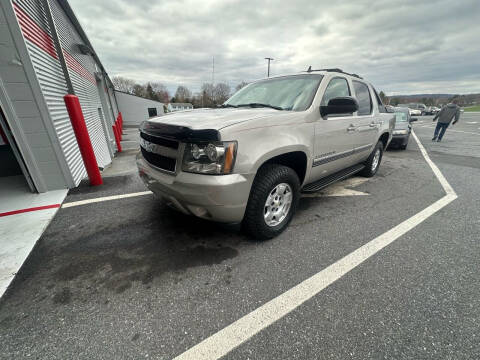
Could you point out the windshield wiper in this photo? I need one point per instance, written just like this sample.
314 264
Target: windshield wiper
227 105
261 105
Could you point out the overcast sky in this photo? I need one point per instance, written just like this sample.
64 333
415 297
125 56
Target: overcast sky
402 47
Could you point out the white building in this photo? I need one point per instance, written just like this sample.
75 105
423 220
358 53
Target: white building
136 109
41 144
179 106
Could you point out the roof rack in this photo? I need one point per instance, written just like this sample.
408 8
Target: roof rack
309 70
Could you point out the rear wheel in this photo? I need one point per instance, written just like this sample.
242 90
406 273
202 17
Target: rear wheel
273 201
373 162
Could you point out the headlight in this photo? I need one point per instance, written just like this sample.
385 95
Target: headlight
210 158
400 132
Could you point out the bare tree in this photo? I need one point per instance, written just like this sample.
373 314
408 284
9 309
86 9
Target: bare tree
221 93
208 95
183 94
152 95
123 84
241 85
161 92
383 97
140 90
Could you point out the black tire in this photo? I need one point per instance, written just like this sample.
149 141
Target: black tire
369 171
267 178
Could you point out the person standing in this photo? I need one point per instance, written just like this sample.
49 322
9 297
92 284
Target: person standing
445 117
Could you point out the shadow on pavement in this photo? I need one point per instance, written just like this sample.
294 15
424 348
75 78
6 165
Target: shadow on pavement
82 254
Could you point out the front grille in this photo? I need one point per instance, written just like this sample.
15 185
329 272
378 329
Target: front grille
160 141
159 161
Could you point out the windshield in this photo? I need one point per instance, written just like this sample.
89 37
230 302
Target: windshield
401 116
287 93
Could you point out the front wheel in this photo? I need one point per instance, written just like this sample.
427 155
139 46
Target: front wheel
373 162
273 201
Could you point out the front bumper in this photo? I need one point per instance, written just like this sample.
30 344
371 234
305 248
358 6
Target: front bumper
221 198
399 139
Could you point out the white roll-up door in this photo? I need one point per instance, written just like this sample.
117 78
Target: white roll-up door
35 30
113 101
82 68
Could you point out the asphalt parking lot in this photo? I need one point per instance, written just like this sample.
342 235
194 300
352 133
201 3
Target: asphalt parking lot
130 278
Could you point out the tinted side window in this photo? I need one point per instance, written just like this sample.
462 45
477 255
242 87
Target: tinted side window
337 87
363 97
381 107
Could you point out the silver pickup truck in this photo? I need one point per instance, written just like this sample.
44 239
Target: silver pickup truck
249 160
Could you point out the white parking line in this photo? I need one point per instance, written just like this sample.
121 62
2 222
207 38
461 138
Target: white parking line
450 129
240 331
105 198
466 132
341 188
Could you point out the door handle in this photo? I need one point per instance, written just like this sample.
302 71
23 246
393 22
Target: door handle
372 124
351 128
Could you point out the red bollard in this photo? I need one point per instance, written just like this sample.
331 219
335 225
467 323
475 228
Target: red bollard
119 129
121 123
118 126
83 139
117 138
121 119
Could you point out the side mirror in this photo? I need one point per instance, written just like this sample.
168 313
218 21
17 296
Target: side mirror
339 105
413 119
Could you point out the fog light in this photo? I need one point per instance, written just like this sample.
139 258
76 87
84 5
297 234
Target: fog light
199 211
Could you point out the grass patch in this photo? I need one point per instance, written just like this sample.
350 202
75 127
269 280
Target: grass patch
473 108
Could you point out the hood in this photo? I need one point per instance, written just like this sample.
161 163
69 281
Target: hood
451 105
214 119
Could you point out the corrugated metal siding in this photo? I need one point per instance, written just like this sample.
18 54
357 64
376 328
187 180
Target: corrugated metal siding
84 82
48 70
113 102
110 115
50 76
34 8
51 79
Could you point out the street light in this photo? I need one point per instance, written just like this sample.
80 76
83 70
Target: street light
268 68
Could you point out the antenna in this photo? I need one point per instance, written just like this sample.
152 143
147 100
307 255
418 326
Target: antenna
268 68
309 69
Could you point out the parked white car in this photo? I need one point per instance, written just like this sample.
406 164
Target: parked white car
415 112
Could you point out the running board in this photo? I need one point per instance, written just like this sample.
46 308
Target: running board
330 179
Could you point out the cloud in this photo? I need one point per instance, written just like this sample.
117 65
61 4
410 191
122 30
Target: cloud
401 46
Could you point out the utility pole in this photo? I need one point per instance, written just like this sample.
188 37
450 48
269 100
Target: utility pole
213 70
268 68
